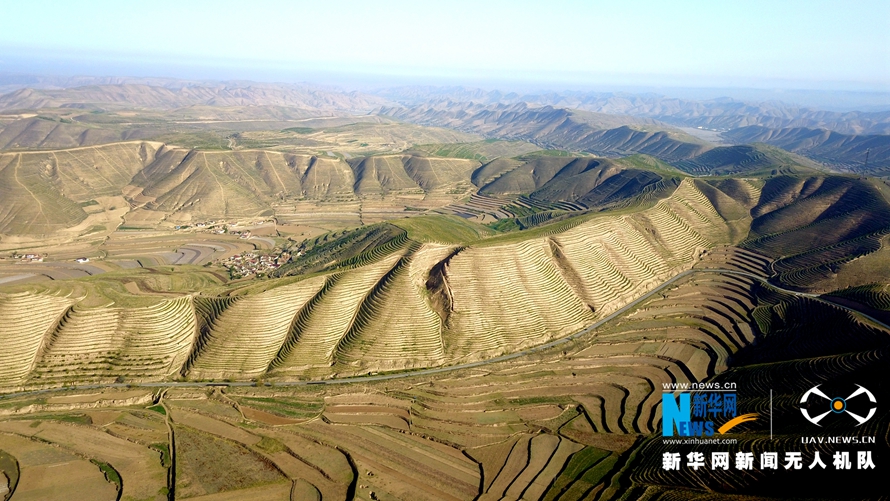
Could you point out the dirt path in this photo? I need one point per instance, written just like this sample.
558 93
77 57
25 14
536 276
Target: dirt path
171 472
15 174
112 164
247 176
275 171
84 164
225 398
221 190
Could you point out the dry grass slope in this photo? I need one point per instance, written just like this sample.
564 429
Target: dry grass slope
245 337
395 328
22 333
101 344
327 317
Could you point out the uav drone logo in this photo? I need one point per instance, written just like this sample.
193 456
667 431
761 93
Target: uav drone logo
838 405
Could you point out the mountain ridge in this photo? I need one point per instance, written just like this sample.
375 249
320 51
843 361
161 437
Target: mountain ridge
845 151
137 95
719 113
551 127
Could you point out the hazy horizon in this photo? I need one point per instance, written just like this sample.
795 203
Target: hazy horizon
787 45
820 54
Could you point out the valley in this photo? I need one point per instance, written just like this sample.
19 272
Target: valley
267 291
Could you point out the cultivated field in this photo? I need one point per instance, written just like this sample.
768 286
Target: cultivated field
576 421
167 376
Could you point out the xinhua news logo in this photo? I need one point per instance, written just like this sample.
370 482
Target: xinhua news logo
815 405
700 414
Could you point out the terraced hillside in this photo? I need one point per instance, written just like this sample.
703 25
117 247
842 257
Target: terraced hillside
812 226
23 334
564 427
43 191
562 179
876 296
141 343
442 291
393 302
560 424
746 160
344 249
530 190
240 340
847 151
577 421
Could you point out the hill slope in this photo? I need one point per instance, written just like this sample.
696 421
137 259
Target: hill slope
840 150
201 184
438 290
553 128
42 190
248 183
584 180
394 306
747 160
39 133
813 225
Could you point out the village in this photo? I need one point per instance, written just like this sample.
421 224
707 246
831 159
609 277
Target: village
254 263
26 258
222 227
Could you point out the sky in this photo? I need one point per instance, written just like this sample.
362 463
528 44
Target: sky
760 44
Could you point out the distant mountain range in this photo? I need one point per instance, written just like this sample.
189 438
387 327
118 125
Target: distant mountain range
157 97
557 128
605 124
722 113
618 135
31 92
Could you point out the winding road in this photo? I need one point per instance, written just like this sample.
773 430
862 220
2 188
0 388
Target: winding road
469 365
